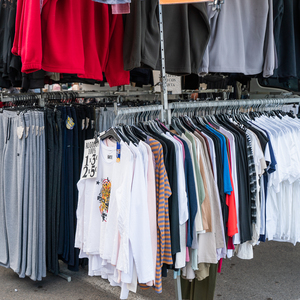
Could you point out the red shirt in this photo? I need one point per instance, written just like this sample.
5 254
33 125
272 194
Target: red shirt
71 36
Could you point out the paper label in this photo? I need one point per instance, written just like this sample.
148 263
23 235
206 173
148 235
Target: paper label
90 160
27 131
173 83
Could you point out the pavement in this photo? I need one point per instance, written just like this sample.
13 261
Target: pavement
273 274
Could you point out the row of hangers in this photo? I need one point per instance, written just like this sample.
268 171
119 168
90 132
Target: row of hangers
134 133
140 126
21 102
228 115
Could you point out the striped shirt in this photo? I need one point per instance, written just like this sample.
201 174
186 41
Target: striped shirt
252 179
163 192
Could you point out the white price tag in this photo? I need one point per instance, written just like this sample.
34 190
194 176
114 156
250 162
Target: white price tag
90 159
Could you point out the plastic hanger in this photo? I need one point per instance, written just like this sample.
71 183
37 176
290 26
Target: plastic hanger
139 133
130 135
111 133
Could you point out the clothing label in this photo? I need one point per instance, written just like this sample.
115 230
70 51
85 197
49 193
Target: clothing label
93 124
109 157
87 123
20 131
83 124
118 156
70 123
181 1
90 161
36 130
33 129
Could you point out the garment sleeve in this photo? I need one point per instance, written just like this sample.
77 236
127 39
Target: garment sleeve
139 226
114 67
204 69
18 27
28 37
80 214
270 55
123 196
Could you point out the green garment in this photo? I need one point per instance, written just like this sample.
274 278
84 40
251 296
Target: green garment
200 290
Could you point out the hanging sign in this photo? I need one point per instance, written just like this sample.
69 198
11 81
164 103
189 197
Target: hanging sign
182 1
173 83
90 159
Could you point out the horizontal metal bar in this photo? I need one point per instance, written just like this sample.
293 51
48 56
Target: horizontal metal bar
132 110
95 94
88 94
208 104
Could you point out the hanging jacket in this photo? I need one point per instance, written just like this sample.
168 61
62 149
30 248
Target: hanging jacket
70 36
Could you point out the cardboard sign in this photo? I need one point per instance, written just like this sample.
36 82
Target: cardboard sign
173 83
90 161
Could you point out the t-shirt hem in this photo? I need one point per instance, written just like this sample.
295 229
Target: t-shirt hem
59 69
219 69
119 82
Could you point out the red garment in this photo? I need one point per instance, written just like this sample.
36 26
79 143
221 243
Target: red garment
71 36
220 265
232 228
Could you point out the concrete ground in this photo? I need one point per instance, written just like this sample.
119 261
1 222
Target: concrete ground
273 274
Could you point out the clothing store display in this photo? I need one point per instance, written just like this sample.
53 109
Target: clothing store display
134 186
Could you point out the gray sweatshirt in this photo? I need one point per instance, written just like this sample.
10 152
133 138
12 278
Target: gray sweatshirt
242 39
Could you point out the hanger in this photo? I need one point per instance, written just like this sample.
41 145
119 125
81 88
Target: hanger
111 133
139 133
130 135
184 122
177 126
122 135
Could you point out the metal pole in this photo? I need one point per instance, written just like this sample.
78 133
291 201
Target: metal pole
164 91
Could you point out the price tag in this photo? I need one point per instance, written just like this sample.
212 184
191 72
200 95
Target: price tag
90 159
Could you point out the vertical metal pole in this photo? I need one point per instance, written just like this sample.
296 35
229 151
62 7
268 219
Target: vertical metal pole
164 92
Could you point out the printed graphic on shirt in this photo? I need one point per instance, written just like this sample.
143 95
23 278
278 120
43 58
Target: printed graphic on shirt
104 197
70 123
